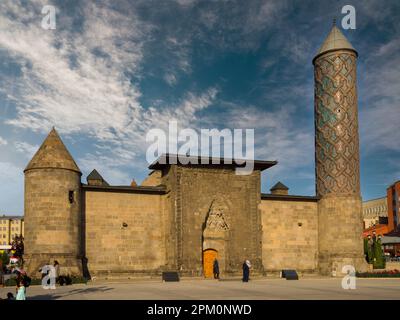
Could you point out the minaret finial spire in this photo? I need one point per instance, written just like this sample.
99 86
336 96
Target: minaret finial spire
334 21
335 40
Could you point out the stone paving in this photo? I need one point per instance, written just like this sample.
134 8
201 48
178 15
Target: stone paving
264 289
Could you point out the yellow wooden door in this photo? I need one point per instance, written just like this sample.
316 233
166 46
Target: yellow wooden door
209 256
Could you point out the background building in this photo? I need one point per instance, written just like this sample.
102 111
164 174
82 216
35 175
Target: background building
382 217
375 216
10 227
393 201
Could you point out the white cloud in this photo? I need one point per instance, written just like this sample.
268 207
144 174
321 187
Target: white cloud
186 2
277 135
27 149
380 101
3 142
93 93
170 78
93 96
83 79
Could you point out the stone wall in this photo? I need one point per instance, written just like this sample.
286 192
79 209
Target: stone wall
52 222
198 193
340 234
137 248
290 235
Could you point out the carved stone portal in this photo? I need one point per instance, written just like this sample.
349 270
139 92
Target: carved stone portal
216 219
216 231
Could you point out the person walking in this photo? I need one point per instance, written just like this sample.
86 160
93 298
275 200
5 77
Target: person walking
246 270
216 269
43 271
57 270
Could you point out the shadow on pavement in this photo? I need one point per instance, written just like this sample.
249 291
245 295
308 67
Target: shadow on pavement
58 295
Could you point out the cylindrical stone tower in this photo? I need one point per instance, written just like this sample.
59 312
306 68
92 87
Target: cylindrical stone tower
337 156
52 209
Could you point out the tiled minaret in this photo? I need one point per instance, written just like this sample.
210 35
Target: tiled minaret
52 209
337 155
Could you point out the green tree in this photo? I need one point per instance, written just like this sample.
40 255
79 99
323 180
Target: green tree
368 249
379 261
5 259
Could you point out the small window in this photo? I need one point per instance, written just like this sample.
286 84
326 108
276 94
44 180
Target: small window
71 196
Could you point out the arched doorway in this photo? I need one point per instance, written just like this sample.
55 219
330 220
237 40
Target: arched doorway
215 238
209 255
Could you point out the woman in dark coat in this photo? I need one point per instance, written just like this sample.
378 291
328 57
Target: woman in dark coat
216 269
246 271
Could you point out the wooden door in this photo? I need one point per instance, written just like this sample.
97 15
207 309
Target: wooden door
209 256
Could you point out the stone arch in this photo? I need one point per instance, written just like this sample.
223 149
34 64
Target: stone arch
216 231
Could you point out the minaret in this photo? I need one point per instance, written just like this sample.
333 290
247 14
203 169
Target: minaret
337 156
52 209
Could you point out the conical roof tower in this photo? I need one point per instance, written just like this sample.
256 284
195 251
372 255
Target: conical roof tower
334 41
52 209
337 156
53 154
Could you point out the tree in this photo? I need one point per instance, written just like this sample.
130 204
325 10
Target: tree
18 246
379 261
368 249
5 259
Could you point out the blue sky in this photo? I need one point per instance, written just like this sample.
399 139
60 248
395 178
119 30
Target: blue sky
113 70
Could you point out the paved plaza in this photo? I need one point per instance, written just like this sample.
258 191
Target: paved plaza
264 289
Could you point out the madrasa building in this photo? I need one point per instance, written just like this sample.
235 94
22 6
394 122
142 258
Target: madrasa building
183 216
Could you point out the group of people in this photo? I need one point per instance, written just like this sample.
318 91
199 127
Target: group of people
246 270
23 281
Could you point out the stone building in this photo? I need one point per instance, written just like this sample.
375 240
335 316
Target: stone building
381 215
10 227
375 212
184 215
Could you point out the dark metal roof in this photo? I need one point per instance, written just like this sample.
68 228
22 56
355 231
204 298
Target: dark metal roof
393 233
170 159
288 197
279 186
94 175
161 189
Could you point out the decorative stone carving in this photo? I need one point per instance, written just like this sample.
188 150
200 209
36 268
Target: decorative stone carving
216 219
